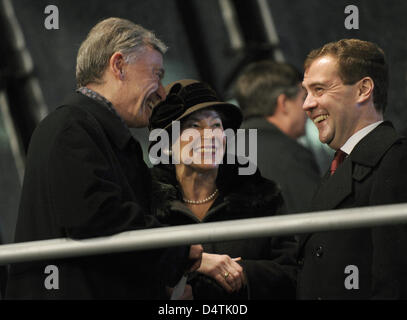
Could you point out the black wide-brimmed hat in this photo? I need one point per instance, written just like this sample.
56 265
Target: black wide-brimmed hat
187 96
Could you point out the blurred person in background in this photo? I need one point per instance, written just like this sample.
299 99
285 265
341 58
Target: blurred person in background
3 274
271 97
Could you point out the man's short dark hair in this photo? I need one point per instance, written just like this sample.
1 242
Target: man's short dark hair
260 83
358 59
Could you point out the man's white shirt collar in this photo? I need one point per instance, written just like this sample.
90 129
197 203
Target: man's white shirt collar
354 140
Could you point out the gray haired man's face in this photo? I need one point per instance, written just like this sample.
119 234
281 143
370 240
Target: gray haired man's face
141 88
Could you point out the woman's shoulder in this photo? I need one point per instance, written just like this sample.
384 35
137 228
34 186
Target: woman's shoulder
252 193
231 178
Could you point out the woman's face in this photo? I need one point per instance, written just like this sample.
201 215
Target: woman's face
202 141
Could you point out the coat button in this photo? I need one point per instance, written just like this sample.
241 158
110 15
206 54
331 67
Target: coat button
300 262
319 252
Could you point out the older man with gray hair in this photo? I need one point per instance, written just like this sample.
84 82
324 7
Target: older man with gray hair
85 175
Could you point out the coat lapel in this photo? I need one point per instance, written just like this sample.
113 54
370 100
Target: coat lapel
335 188
332 191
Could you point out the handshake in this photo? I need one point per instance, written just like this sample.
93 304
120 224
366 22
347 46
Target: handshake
222 268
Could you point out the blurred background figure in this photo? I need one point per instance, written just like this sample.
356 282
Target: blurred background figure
271 98
3 278
21 107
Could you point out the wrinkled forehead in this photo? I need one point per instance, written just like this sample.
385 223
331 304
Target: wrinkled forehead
146 57
322 70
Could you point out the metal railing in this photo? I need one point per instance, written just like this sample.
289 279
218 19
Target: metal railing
206 232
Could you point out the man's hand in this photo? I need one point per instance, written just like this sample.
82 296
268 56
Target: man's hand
225 270
195 255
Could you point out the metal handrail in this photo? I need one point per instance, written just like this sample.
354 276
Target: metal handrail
206 232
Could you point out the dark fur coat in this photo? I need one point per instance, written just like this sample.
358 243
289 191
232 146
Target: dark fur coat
268 263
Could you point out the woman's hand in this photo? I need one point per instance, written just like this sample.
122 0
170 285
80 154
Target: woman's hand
225 270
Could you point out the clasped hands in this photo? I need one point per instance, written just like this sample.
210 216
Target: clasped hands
224 269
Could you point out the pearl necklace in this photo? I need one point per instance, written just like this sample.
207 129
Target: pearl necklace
207 199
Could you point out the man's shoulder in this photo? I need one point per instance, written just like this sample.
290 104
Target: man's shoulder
62 118
395 157
383 152
68 122
76 109
279 150
390 173
261 124
381 142
268 134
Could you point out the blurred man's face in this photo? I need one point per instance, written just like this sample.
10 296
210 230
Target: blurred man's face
297 115
141 87
331 104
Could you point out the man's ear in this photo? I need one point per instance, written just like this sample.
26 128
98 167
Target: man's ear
365 89
281 105
116 65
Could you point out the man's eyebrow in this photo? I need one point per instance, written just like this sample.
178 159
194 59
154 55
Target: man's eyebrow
314 84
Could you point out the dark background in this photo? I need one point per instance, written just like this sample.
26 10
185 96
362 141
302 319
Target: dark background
199 47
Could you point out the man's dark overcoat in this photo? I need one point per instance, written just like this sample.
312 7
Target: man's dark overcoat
375 173
85 177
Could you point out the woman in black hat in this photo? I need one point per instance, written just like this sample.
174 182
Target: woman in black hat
197 189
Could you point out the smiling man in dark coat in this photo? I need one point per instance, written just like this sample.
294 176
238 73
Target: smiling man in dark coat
85 175
347 85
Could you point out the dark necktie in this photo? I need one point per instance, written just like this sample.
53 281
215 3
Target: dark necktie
338 159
